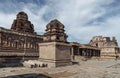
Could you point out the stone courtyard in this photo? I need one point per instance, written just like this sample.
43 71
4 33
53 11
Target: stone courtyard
85 69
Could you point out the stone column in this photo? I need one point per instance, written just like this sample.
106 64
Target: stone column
72 53
90 52
78 51
84 52
0 40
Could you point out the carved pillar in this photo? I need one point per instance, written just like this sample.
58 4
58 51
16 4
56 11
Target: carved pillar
0 40
93 52
25 42
90 52
83 52
78 50
72 53
97 53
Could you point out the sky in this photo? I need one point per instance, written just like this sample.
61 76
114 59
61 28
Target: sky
83 19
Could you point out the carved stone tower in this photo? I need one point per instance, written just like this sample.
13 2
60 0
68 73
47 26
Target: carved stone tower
22 24
55 32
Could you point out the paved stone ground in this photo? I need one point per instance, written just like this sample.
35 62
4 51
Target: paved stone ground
85 69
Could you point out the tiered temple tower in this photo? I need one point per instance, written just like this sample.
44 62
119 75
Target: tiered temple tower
22 24
55 32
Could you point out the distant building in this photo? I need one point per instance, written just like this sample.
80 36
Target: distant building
109 48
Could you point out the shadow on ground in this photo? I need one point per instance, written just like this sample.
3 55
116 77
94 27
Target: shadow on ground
32 75
3 65
75 63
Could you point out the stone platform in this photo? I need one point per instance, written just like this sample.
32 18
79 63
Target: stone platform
54 54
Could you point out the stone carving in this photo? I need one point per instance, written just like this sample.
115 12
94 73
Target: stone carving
22 24
18 46
55 32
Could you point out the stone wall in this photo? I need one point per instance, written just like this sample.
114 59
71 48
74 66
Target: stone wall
19 44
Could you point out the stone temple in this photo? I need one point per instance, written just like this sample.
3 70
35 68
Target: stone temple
21 43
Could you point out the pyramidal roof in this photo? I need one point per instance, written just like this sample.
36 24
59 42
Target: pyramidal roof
55 23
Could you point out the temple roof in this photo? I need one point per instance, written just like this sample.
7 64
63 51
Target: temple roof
55 32
55 23
22 15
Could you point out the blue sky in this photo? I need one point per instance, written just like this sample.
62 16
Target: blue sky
83 19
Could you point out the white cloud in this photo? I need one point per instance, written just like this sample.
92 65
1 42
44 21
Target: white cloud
36 18
74 14
6 20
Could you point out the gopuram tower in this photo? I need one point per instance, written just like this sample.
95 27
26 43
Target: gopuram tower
22 24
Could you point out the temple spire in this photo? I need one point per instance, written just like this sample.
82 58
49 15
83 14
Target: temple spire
55 32
22 24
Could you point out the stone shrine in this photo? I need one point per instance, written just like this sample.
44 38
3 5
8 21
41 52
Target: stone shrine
55 51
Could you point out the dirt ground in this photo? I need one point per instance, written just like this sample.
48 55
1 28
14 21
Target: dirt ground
85 69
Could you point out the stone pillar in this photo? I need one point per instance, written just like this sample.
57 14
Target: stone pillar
78 50
0 40
72 53
83 52
90 52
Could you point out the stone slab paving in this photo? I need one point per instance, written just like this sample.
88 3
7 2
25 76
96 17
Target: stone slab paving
86 69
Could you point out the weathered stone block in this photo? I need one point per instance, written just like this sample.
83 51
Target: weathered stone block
55 54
